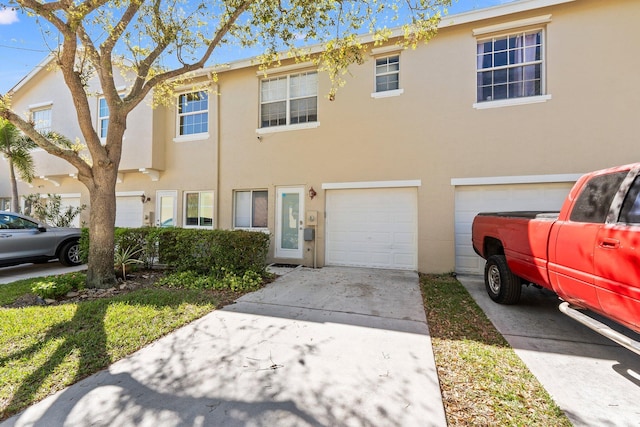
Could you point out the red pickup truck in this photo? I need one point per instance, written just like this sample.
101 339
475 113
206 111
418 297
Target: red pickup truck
588 253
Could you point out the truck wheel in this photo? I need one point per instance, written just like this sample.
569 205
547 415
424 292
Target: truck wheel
70 254
502 285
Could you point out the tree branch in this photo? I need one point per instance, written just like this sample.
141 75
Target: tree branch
69 155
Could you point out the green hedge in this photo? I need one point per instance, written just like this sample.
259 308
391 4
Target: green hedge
212 252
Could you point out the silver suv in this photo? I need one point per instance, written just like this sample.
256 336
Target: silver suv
24 239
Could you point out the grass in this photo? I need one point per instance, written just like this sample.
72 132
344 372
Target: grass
483 381
46 348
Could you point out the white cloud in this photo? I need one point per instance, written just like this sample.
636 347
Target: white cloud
8 16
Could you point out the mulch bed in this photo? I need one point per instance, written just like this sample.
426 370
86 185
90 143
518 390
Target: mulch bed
135 281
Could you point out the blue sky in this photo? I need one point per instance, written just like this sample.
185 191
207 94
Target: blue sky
23 45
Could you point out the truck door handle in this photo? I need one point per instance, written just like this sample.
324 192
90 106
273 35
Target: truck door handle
610 243
5 236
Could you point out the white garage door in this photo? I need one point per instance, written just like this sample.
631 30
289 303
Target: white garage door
470 200
373 228
128 211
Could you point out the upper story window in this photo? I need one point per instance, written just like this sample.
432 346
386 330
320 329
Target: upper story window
198 208
289 100
103 118
193 113
42 120
388 73
510 66
250 209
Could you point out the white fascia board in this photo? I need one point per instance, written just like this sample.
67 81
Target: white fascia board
41 66
371 184
524 179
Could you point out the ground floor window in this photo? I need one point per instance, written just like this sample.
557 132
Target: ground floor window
198 208
5 203
250 209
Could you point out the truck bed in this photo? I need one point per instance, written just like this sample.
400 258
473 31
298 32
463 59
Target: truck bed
524 214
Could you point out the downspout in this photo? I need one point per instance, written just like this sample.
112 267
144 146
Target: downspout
218 163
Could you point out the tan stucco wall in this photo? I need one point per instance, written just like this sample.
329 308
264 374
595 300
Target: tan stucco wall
432 132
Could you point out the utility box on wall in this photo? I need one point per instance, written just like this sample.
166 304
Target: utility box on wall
309 234
312 218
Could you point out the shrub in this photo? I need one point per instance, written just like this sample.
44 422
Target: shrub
249 281
186 280
143 241
214 252
58 286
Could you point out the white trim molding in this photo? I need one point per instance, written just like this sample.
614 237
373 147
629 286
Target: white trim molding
538 20
524 179
285 69
371 184
287 128
40 105
387 93
385 50
511 102
129 193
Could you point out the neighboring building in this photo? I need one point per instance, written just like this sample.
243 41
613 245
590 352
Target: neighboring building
502 110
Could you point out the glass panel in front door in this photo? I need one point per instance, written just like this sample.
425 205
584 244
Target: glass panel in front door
166 208
290 216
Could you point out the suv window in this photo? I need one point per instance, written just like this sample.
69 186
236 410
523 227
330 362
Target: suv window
15 223
595 199
630 212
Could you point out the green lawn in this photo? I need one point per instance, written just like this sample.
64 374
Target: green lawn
46 348
483 381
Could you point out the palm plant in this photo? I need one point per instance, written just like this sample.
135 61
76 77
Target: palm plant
15 147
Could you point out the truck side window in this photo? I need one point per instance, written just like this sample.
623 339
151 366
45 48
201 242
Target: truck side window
595 199
630 213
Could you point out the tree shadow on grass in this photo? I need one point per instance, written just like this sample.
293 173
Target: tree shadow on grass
84 338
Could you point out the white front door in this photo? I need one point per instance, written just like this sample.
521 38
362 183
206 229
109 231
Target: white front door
166 206
289 222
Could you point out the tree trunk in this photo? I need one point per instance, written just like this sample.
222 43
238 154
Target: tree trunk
101 273
15 201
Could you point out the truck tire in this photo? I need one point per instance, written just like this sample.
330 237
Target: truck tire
502 285
70 254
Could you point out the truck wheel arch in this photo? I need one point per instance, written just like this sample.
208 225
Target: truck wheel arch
492 246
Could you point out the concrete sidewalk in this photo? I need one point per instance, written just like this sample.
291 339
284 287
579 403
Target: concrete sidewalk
327 347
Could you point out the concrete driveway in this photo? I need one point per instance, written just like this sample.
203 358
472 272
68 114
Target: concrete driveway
326 347
26 271
594 381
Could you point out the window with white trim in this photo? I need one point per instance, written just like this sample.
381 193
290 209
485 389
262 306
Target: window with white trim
510 66
193 113
103 118
289 100
250 209
5 203
198 209
41 120
388 73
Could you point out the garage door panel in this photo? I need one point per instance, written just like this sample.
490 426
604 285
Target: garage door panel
129 211
372 228
469 201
